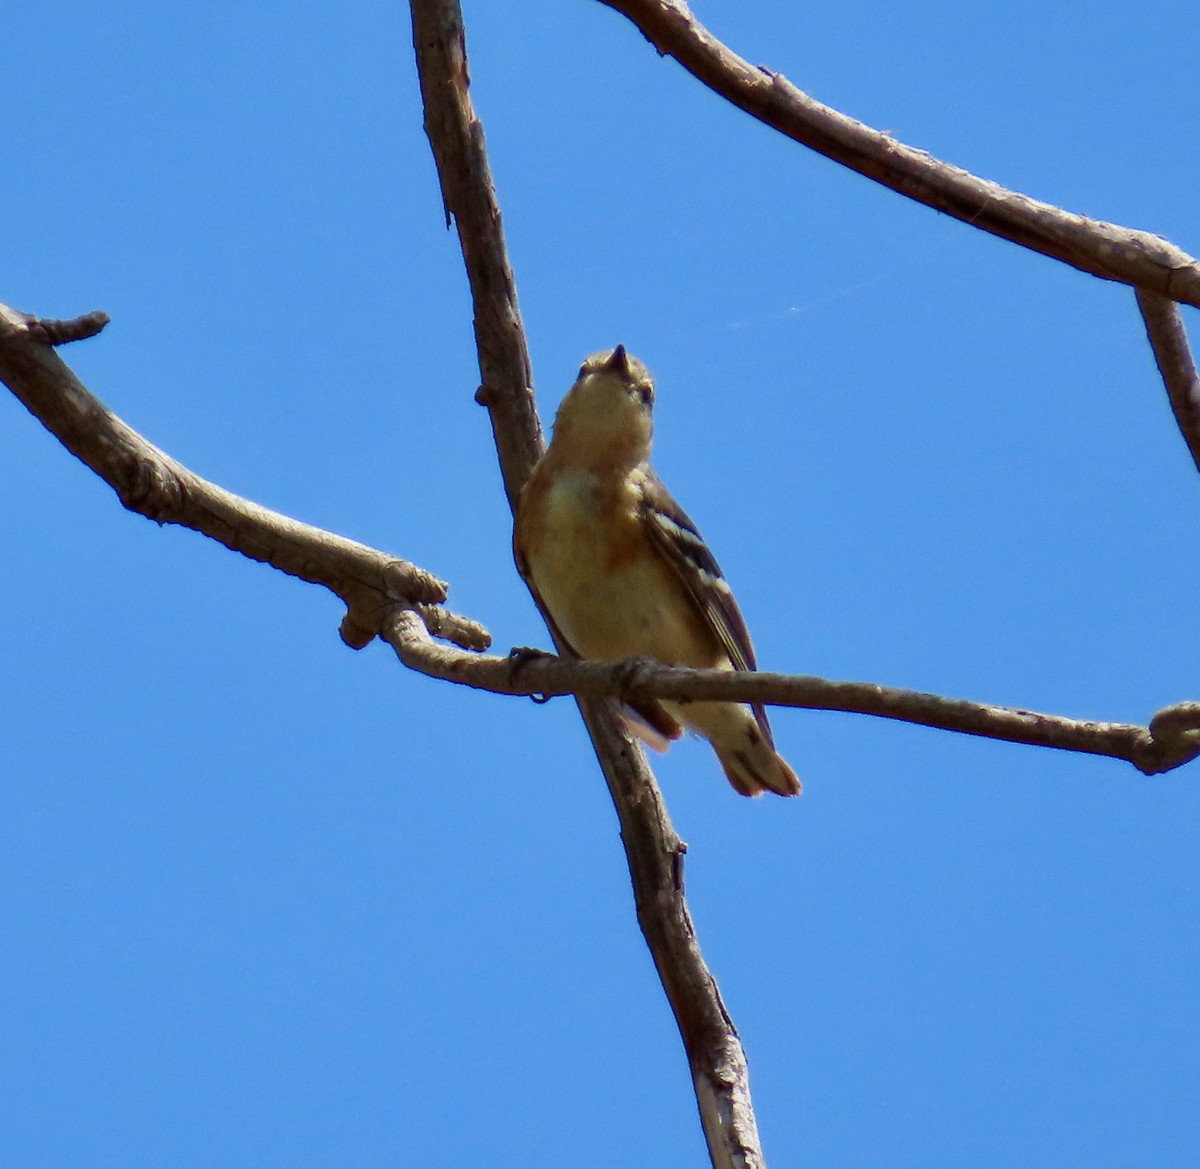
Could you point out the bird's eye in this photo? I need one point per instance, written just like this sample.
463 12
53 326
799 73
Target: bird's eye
646 393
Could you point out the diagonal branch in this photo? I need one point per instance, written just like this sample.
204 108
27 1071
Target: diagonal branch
150 482
1172 739
469 200
1103 249
1173 355
653 850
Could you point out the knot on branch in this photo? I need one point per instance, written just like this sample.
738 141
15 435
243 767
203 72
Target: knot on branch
404 586
1172 740
363 619
150 487
368 615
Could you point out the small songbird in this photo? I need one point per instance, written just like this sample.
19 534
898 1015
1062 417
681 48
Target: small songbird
622 571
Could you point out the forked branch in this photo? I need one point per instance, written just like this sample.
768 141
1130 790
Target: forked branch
1173 355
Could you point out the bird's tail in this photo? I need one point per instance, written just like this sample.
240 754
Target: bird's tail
757 769
743 746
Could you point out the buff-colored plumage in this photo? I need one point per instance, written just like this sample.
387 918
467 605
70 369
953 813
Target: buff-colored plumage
622 572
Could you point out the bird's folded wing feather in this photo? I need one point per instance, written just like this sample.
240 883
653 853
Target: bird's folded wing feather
677 537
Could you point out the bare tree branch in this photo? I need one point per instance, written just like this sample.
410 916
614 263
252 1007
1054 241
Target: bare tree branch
720 1076
1103 249
373 584
1172 739
1173 355
469 199
653 851
401 602
150 482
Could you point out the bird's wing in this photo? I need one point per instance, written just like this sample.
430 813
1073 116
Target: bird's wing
676 536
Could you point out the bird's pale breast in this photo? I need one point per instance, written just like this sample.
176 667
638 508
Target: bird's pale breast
607 587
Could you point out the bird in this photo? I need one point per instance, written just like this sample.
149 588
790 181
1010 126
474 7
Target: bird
621 571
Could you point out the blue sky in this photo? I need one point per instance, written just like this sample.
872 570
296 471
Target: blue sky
267 902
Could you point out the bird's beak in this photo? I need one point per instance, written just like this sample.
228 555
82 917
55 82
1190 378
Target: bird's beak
619 361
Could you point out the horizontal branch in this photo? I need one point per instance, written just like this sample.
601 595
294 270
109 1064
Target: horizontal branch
1103 249
150 482
373 584
1173 355
1172 739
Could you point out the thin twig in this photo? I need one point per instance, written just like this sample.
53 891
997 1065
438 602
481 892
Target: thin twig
652 849
1172 739
150 482
1103 249
1173 355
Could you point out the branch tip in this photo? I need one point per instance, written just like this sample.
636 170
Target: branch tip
404 581
454 628
55 332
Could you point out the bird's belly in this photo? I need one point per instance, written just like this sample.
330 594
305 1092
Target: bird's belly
610 591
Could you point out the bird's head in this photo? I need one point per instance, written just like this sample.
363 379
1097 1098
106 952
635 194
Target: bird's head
608 411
